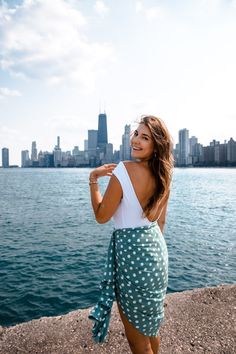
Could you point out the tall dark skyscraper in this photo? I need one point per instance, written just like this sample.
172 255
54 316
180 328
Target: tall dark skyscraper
34 153
102 130
5 157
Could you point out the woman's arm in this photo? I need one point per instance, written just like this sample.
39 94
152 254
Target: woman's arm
104 207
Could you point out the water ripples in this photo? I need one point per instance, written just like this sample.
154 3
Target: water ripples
52 251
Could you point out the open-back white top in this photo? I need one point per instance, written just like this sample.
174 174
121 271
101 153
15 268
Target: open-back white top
130 211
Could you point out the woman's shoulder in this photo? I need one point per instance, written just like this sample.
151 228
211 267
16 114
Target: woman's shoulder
133 166
119 170
127 162
130 164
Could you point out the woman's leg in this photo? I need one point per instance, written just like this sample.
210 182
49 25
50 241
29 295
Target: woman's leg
138 342
155 343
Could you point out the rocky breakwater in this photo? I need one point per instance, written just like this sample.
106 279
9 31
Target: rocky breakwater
196 321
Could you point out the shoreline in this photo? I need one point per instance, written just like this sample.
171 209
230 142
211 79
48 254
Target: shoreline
202 320
64 167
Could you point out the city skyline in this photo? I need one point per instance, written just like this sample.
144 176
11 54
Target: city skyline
62 60
181 149
81 144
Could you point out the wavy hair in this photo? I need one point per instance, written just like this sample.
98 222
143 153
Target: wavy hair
162 161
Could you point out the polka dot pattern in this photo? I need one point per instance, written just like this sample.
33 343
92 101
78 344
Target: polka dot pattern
136 275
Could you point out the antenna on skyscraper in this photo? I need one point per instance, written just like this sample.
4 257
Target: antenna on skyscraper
99 106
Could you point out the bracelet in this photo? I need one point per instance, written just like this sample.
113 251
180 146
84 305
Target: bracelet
93 182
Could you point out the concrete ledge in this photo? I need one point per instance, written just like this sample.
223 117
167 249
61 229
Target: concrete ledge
196 321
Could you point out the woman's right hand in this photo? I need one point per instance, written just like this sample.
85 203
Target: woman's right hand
101 171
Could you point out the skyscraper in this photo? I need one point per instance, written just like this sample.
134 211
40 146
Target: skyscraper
85 144
125 147
5 157
231 150
102 130
34 155
75 151
92 145
192 149
57 154
183 147
192 144
92 139
25 160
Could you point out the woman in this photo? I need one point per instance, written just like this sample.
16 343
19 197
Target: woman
136 273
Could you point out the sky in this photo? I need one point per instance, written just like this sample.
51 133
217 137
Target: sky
64 61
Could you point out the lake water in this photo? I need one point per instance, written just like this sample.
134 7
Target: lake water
52 251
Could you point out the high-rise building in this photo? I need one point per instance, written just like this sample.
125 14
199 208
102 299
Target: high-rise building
5 157
108 158
102 131
48 159
25 160
92 144
220 153
176 154
192 144
125 147
75 151
214 142
85 144
198 154
183 147
92 139
231 150
81 159
121 153
192 149
34 155
116 156
41 159
209 153
57 154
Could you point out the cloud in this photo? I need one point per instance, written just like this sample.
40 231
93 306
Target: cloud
233 3
101 8
4 92
194 8
46 40
150 13
153 13
139 6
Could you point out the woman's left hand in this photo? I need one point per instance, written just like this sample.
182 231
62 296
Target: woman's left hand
104 170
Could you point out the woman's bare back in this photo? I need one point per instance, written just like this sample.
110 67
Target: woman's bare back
143 183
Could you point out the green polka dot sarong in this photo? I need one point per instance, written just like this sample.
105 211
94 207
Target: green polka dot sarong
136 275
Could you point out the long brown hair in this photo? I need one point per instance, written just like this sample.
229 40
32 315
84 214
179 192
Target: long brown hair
161 163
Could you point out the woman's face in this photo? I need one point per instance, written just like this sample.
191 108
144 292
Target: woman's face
142 146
